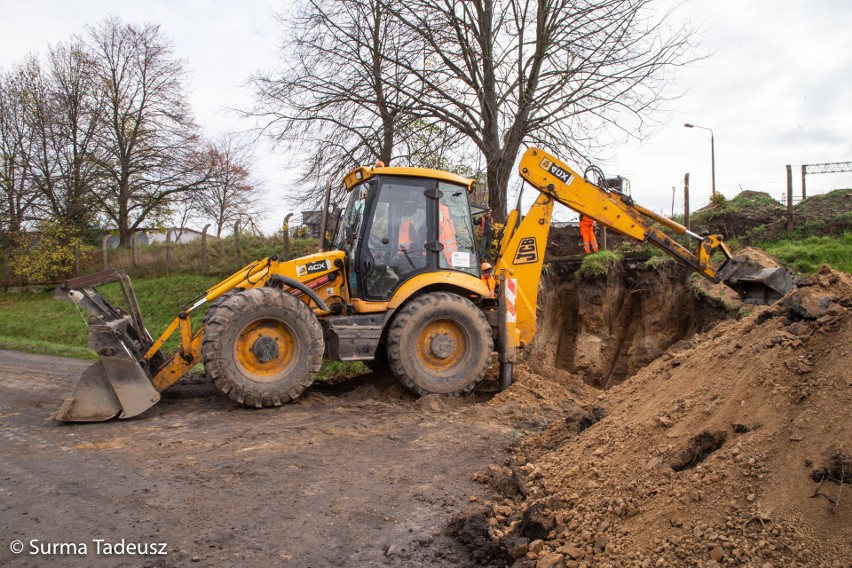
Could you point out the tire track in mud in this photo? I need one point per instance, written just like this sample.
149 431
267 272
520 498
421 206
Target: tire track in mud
349 479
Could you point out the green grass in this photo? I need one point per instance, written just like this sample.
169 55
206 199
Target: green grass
657 258
332 370
37 323
598 264
805 256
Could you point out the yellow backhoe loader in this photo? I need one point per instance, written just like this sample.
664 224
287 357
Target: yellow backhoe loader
401 285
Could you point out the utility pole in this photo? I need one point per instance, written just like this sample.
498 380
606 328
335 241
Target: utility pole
673 198
686 200
712 153
789 198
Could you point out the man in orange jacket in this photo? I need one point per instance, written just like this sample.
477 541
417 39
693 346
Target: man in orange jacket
587 231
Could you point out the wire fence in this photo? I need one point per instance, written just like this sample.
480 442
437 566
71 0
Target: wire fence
208 256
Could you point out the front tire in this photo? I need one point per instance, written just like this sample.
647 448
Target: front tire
262 347
440 343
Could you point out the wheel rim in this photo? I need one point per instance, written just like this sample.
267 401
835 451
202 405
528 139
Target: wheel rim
265 350
441 345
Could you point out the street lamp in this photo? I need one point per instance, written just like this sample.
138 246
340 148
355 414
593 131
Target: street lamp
712 153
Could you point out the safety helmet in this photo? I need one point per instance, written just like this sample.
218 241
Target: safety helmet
486 266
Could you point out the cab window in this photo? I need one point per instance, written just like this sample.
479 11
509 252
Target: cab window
455 230
395 247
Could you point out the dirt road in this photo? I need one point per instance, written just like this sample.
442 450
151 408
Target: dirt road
361 474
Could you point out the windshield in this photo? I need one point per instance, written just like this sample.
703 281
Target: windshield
353 215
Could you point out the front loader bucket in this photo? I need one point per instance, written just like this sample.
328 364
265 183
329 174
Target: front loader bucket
114 386
756 284
117 385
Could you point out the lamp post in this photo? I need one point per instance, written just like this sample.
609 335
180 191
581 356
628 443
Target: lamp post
712 153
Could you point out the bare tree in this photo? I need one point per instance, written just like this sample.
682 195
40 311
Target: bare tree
16 150
338 98
77 107
147 150
558 73
230 191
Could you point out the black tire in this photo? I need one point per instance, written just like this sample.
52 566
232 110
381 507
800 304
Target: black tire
262 347
218 302
439 343
380 361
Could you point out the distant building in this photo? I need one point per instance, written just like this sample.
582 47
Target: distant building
154 236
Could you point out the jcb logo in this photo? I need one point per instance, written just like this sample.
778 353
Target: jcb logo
527 252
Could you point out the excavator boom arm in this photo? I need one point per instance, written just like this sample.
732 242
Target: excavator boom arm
617 211
522 249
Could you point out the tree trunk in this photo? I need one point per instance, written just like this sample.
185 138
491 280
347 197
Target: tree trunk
123 217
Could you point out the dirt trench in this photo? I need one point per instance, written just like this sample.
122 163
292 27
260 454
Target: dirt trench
605 330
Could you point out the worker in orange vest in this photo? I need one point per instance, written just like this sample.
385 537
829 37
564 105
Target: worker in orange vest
587 231
447 233
407 234
487 276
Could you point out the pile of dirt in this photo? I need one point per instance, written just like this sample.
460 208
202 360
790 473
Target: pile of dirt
739 216
755 216
565 241
732 449
820 215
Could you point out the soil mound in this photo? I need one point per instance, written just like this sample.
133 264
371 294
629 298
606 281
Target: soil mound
738 216
734 448
825 214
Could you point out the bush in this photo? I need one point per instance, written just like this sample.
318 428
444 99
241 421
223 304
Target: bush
46 256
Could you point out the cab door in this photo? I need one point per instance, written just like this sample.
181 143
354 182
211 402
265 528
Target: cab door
400 225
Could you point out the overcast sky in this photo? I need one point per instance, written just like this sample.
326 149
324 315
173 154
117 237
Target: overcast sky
776 88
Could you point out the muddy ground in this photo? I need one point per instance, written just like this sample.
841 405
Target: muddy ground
361 475
709 441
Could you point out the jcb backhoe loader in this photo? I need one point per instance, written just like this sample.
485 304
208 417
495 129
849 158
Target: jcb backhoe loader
401 284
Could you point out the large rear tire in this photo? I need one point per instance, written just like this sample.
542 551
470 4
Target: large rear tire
262 347
439 343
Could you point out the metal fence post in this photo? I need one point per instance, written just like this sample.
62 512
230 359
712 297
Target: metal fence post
104 251
76 260
285 230
133 258
238 243
169 250
6 274
204 249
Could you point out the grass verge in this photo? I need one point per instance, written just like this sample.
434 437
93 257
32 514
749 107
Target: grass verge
805 256
37 323
34 322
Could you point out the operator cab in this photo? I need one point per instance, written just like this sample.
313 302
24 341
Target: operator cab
397 226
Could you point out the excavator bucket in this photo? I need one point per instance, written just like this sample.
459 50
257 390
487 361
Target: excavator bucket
117 385
754 283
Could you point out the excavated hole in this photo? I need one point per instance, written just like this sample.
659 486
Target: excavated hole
607 330
698 448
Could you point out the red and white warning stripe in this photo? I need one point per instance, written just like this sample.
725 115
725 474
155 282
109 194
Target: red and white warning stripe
511 295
